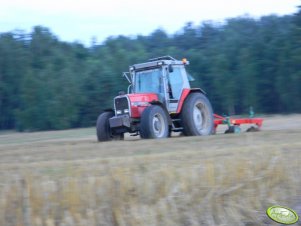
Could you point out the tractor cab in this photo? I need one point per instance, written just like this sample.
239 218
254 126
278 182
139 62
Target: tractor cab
159 101
164 76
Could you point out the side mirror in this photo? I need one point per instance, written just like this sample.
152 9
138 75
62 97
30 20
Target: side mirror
170 68
190 78
128 76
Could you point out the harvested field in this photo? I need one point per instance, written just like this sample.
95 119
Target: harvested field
63 178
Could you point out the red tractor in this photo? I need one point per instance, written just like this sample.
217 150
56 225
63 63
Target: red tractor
159 101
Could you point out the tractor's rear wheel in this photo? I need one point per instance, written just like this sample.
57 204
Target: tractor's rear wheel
197 115
154 123
103 130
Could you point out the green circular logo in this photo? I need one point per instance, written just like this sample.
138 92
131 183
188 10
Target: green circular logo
282 215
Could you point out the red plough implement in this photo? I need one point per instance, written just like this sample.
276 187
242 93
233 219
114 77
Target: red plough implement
234 123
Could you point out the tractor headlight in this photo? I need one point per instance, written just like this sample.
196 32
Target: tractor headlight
118 112
140 104
126 110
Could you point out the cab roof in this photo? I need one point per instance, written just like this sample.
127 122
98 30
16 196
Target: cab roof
159 61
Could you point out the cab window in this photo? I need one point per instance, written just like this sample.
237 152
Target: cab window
176 82
149 81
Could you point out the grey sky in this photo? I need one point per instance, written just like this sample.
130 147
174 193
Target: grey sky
82 19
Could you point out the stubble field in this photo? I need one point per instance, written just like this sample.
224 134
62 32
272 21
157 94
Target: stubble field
63 178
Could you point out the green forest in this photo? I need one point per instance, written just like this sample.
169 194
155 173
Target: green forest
49 84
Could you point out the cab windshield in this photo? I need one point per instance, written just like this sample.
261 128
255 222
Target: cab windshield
148 81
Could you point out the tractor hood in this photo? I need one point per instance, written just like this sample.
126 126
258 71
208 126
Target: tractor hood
142 97
139 101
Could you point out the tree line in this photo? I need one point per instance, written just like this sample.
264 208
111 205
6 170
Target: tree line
48 84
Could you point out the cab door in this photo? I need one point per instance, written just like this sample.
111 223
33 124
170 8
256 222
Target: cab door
176 83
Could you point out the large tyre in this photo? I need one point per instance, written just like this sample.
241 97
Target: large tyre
197 115
103 130
154 123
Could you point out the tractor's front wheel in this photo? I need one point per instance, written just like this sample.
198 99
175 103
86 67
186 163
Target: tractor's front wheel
154 123
197 115
103 129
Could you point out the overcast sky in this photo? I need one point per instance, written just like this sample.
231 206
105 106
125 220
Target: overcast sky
79 20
